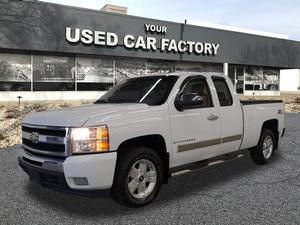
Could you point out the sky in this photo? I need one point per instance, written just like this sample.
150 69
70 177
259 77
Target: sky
277 16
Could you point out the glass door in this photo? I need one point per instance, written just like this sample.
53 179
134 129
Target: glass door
236 75
239 79
231 74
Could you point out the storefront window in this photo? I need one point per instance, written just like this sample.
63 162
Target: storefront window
127 68
159 66
199 67
59 73
261 79
94 74
15 72
253 78
271 79
53 73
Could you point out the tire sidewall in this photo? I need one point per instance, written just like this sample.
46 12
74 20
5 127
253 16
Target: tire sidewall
158 180
124 167
266 132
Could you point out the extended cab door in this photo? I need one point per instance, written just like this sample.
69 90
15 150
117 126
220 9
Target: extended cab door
231 116
195 131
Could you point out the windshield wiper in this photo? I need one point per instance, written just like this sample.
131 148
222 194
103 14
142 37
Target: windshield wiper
124 101
99 101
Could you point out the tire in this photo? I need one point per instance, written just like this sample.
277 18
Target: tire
130 171
17 87
263 152
62 87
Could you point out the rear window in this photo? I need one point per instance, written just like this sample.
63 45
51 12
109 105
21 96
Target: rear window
223 91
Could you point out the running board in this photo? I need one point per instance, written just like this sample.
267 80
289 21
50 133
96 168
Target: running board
196 166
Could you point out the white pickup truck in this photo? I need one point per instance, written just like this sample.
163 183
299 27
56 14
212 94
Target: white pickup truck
143 131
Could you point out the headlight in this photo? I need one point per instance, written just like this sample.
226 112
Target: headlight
89 139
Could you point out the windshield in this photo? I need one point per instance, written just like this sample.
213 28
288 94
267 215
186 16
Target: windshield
152 90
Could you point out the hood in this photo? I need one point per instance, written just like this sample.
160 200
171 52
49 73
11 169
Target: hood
78 116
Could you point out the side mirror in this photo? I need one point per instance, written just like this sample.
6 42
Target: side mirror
188 101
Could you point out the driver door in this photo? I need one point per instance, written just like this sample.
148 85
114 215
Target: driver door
196 129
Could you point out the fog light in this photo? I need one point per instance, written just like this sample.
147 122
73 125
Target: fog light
80 181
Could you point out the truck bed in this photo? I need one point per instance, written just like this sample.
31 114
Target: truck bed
255 112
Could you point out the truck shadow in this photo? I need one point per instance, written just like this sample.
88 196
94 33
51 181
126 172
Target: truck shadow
209 181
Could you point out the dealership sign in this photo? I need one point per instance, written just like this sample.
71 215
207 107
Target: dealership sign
111 39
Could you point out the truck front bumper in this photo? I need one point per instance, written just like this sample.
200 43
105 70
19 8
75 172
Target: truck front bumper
81 172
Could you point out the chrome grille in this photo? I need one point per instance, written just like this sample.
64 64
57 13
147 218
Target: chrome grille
49 131
45 141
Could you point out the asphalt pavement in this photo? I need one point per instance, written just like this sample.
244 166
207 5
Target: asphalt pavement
235 192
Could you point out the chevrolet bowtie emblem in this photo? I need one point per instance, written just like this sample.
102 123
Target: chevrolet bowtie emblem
34 137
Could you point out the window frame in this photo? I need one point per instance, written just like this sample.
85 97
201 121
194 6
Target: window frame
185 81
213 78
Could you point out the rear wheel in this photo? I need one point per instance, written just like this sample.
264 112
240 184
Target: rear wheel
262 153
138 177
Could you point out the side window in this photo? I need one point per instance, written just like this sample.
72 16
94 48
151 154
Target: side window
198 86
223 91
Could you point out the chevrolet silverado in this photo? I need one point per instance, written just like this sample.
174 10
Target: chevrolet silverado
146 129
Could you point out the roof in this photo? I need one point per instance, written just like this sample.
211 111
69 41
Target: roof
237 29
186 74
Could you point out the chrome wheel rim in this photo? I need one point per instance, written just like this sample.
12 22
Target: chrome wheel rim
141 179
268 147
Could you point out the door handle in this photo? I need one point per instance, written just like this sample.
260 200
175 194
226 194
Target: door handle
212 117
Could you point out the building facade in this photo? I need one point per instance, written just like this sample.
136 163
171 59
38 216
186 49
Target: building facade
55 52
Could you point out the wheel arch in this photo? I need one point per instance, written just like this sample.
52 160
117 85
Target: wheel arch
155 142
272 125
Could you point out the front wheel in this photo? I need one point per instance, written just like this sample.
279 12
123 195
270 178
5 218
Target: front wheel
138 177
262 153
